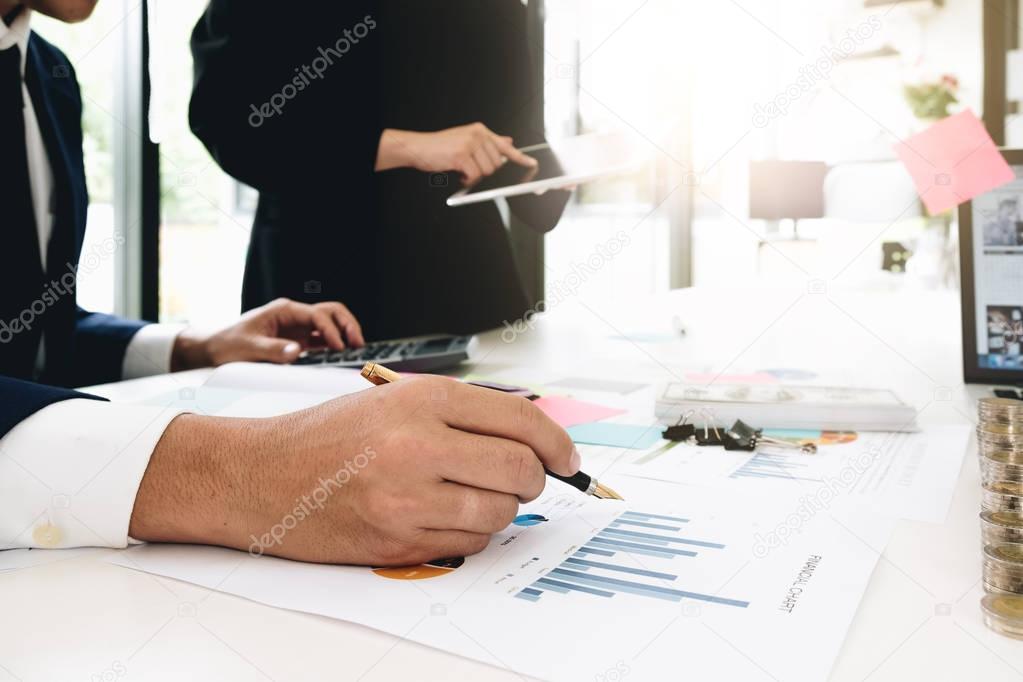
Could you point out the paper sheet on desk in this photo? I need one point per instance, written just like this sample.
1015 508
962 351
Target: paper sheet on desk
253 376
900 475
591 587
246 389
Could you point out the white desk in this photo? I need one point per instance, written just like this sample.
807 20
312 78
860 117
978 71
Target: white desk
920 619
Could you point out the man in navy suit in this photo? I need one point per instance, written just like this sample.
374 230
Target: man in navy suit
75 470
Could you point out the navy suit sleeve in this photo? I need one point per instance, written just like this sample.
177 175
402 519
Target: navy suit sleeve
99 346
19 400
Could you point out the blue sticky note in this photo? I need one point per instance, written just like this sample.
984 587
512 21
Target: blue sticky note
616 435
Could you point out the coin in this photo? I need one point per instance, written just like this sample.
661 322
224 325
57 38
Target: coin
1000 408
993 469
992 589
1005 441
1001 428
1002 496
1001 526
1005 487
1003 568
1003 614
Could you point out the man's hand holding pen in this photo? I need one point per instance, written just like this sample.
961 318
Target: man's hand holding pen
418 470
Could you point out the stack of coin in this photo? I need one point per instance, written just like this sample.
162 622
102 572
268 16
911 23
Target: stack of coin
1003 568
1000 447
1000 426
1000 441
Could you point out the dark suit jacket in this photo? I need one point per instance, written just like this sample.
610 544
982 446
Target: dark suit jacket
327 226
81 347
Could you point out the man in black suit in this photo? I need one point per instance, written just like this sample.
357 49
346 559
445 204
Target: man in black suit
356 124
158 474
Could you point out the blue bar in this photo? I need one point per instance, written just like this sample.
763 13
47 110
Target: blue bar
594 550
527 596
785 477
773 465
584 565
661 552
651 536
649 552
615 542
577 588
769 456
653 590
607 534
762 457
655 526
554 588
530 590
634 588
643 516
757 474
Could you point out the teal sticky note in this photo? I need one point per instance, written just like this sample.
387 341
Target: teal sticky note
616 435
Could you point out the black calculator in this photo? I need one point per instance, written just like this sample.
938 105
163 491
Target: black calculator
423 354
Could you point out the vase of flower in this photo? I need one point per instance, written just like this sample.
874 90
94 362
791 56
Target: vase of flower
930 100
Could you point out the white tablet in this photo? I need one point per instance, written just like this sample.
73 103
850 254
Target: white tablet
572 161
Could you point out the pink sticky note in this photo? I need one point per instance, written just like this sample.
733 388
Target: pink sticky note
569 412
953 161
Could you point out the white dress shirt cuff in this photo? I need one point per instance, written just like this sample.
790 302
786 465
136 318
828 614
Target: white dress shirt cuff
149 351
69 474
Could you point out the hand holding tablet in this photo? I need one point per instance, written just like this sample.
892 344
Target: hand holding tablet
473 150
559 165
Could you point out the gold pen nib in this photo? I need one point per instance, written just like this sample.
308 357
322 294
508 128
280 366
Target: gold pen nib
605 493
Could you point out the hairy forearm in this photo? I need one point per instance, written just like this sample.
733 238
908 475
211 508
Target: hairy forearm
199 486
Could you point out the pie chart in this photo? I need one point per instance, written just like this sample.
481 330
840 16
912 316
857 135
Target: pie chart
529 520
431 569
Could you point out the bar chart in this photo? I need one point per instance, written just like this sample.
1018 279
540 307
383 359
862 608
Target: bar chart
599 569
772 465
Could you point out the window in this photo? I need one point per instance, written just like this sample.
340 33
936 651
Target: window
614 66
206 216
95 48
687 77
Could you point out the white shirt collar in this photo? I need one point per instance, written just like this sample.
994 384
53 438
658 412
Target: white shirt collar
17 34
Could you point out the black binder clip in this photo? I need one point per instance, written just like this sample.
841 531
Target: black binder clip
709 435
681 431
741 436
745 437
